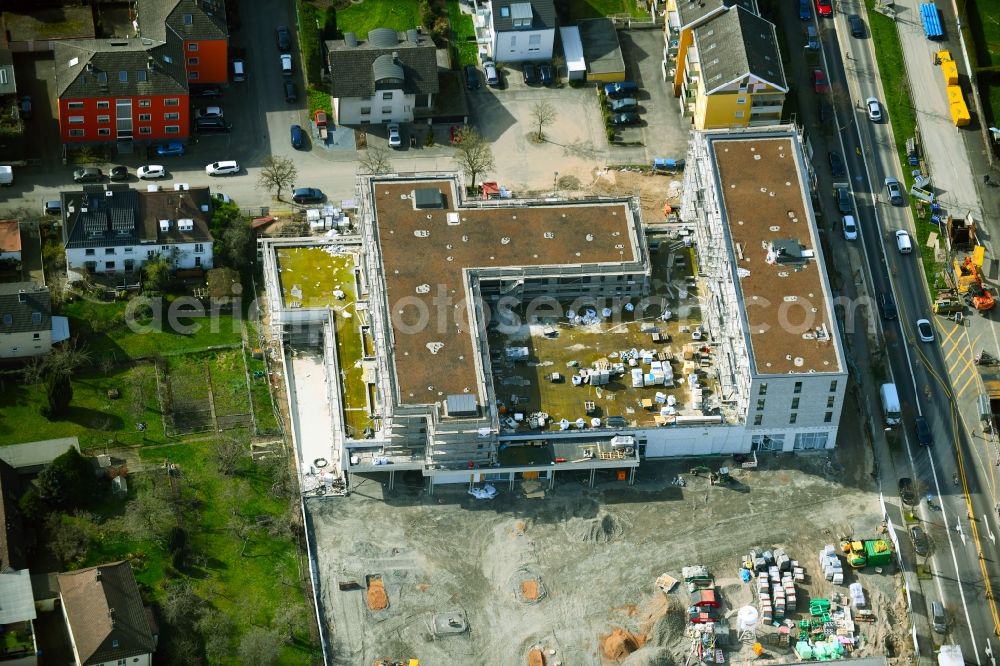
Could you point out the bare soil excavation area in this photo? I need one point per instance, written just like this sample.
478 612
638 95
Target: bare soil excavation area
570 578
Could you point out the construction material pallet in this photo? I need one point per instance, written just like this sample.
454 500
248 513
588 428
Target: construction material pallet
612 455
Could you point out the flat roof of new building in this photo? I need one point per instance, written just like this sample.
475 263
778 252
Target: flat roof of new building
781 277
425 253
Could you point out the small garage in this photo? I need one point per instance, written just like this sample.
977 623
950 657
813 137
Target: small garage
601 50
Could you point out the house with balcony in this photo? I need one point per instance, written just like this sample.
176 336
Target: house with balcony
115 229
388 78
195 27
519 30
730 74
121 90
682 17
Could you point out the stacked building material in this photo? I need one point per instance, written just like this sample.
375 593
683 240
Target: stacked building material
830 562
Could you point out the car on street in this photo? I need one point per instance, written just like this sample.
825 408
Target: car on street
493 79
208 112
150 172
887 304
805 10
820 82
906 492
395 139
283 38
471 77
836 164
305 195
207 92
213 125
545 74
903 242
26 108
172 148
298 137
118 173
53 207
621 89
843 200
627 118
286 64
824 7
923 430
88 175
623 104
223 168
919 539
857 26
812 38
291 92
925 330
894 191
874 109
850 228
530 71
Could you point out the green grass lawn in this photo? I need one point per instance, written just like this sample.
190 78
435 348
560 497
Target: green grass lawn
585 9
463 34
320 99
260 390
93 417
104 330
360 18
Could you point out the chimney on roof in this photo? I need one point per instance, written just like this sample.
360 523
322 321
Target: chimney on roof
150 63
89 67
395 57
351 39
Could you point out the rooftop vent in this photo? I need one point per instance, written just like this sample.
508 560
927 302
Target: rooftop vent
428 197
384 38
412 36
351 39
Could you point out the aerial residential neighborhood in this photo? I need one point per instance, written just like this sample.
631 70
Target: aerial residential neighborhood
401 332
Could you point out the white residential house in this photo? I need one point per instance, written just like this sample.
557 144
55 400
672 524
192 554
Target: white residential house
27 327
522 30
387 78
115 229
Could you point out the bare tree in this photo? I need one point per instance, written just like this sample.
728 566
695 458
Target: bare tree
228 452
286 619
149 516
277 174
105 363
376 160
259 647
474 154
543 114
67 539
217 630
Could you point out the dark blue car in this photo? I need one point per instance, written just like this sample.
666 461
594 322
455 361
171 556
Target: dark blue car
805 10
172 148
621 89
297 137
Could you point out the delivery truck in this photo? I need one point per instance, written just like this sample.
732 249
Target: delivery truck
890 404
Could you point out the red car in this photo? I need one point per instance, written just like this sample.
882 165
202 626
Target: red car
824 7
820 84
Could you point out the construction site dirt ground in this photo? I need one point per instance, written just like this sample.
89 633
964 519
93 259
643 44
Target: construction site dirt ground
573 574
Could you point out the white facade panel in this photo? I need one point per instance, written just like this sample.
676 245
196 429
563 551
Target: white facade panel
21 345
523 45
386 106
112 260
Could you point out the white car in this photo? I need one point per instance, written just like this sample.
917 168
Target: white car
903 242
850 228
395 140
151 171
286 64
209 112
925 330
223 168
874 110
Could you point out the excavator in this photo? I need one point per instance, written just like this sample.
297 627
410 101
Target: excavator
969 281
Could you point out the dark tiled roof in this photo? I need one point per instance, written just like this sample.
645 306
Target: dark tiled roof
130 217
29 307
12 546
543 14
92 68
735 45
105 612
692 12
351 67
188 19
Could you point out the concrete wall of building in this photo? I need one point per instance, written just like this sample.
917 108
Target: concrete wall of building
398 108
114 259
523 45
804 401
22 345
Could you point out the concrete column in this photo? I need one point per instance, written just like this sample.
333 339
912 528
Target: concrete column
592 470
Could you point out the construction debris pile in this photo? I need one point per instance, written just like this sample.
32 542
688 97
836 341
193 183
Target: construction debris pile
703 614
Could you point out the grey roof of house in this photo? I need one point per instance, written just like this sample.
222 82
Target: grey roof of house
23 301
130 217
93 68
105 613
692 12
543 14
158 17
8 82
17 603
736 44
35 454
353 68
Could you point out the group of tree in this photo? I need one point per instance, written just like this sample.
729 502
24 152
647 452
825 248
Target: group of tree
67 483
55 371
234 241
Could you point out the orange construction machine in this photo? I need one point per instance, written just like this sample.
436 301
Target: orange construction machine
969 281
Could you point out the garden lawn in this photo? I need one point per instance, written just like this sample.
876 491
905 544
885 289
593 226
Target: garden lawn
463 34
93 417
585 9
260 391
360 18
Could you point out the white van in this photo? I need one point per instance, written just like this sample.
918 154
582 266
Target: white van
239 73
903 242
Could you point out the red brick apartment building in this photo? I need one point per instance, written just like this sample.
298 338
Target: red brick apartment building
197 26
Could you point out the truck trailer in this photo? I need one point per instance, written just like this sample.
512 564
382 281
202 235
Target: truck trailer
890 404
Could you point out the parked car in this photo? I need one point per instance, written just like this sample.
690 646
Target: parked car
471 77
118 173
820 83
623 104
298 137
812 38
805 10
903 242
213 125
887 304
239 70
857 26
621 89
53 207
906 492
843 200
874 109
306 195
824 8
88 175
286 64
545 74
493 79
923 430
172 148
26 108
283 38
221 197
850 228
208 92
395 139
530 72
925 330
151 171
894 191
627 118
223 168
208 112
919 539
836 164
291 92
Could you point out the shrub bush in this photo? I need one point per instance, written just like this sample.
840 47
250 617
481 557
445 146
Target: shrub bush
309 41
